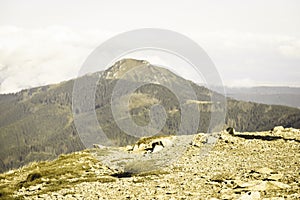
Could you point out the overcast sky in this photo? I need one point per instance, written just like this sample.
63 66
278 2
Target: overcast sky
253 43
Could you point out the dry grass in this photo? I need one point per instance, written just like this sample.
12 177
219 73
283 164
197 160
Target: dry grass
141 100
63 172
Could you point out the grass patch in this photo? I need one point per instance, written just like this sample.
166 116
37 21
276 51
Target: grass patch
64 172
5 193
32 179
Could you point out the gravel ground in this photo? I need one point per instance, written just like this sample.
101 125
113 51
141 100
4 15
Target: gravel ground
260 165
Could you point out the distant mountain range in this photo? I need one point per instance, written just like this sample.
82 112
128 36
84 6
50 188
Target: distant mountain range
38 123
288 96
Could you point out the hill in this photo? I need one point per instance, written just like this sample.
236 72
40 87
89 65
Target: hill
38 123
248 165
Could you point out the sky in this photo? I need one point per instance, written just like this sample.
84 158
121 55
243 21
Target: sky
250 42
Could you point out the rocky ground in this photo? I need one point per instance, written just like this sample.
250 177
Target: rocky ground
256 165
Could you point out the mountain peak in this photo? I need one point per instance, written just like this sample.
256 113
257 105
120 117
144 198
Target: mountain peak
120 67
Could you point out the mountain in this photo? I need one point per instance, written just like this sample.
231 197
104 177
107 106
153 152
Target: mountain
288 96
38 123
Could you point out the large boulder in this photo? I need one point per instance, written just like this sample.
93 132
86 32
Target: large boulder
152 145
157 148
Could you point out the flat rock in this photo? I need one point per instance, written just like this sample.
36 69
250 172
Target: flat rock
278 128
166 142
35 187
275 177
250 196
279 185
157 148
264 170
259 185
249 184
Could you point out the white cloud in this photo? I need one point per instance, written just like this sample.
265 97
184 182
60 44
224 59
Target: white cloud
247 82
252 58
290 49
34 57
37 57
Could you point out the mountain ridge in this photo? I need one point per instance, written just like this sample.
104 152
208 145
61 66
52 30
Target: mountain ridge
38 123
288 96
